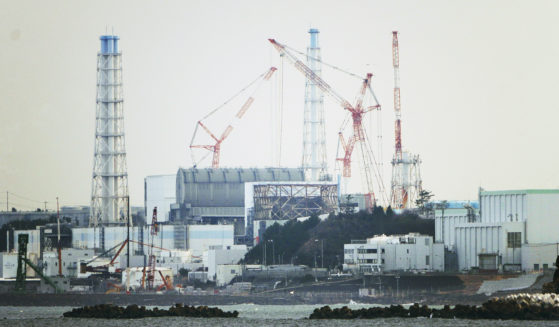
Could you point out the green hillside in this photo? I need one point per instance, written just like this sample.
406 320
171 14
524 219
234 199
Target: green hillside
300 242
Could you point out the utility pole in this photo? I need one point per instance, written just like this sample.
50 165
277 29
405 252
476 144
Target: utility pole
264 253
45 206
128 234
7 202
322 253
273 252
59 246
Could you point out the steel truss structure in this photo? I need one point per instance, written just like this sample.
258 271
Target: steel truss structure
314 133
406 176
110 178
291 201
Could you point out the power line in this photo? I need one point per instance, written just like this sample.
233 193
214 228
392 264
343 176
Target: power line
23 197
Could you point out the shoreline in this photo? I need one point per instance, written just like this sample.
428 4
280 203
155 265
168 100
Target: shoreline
76 300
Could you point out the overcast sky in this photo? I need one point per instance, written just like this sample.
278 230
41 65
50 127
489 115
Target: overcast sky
479 84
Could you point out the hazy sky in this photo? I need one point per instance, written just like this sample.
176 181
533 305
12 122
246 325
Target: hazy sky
478 78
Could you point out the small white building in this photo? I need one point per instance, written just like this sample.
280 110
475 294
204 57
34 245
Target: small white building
394 253
8 265
201 237
71 259
226 273
222 255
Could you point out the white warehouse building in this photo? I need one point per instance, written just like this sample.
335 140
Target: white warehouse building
394 253
515 230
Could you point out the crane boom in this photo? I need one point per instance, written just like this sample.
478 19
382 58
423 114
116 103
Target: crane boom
325 87
216 147
357 112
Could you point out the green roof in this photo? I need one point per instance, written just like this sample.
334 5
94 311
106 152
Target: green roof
533 191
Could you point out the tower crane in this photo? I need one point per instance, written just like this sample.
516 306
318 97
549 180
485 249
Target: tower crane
358 133
215 148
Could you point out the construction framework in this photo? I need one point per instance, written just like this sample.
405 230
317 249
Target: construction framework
282 201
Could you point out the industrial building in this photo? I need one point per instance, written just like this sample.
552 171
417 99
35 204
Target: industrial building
216 196
515 230
70 259
394 253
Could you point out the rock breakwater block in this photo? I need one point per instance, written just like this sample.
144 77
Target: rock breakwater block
512 307
109 311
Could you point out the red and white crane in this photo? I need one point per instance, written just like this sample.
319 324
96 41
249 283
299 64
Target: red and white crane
215 148
358 136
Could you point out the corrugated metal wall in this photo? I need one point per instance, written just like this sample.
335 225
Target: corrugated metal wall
224 187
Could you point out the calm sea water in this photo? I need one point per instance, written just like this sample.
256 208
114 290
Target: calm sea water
250 315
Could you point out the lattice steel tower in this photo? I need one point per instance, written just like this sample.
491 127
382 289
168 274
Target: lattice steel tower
110 178
406 176
314 139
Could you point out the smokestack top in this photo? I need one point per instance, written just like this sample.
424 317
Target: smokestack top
109 44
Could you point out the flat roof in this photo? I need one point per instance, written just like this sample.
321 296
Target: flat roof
526 191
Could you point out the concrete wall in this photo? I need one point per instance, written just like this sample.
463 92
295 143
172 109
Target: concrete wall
438 257
201 237
542 255
226 273
475 238
543 217
223 255
444 225
502 206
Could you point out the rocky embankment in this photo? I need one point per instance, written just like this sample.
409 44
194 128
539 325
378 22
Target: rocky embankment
516 306
109 311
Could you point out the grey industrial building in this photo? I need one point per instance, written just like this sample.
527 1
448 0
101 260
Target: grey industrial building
213 196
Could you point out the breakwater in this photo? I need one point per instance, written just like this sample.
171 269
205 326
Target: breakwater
516 307
109 311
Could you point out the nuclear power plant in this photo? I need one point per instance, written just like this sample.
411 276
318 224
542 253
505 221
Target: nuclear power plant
199 222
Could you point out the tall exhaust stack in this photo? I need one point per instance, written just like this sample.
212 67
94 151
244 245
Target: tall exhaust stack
110 178
314 135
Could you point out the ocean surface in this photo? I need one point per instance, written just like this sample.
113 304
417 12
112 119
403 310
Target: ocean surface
249 315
